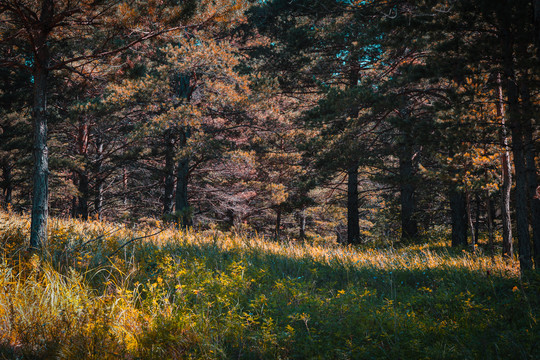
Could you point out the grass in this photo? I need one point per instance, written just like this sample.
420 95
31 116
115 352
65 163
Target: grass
105 291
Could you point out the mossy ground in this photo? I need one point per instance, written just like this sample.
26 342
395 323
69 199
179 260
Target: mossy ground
215 295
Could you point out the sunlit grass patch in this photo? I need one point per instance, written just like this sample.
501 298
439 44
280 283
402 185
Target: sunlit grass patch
164 293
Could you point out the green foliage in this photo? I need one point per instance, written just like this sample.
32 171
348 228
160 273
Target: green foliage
101 293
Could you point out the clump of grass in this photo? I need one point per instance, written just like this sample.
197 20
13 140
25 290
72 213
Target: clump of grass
164 293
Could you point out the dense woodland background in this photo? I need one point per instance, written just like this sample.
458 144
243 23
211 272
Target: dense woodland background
353 120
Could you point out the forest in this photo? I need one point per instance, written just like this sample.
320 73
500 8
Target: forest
269 179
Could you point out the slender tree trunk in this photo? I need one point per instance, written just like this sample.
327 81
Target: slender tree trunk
182 204
168 199
477 217
536 18
125 186
409 225
514 117
7 185
469 217
353 220
489 215
98 199
458 211
532 180
182 174
302 223
508 247
82 148
277 233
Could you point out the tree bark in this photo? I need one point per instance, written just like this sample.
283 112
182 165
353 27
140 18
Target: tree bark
82 206
458 211
98 166
7 184
514 117
125 177
277 233
302 223
40 191
532 180
182 174
477 218
536 19
489 215
353 225
83 181
168 199
469 216
409 225
508 247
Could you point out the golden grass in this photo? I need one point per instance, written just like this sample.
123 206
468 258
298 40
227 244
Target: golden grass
103 290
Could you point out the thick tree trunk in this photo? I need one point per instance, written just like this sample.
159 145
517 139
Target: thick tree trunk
514 117
409 225
532 180
458 211
168 199
353 220
40 191
82 206
508 247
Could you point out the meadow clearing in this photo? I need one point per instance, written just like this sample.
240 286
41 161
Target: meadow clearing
105 291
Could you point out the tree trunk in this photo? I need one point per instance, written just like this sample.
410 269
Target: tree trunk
182 204
353 226
530 155
82 148
477 217
469 217
277 233
458 210
536 19
82 206
409 226
98 200
508 247
125 187
7 184
40 191
168 199
489 215
514 117
302 223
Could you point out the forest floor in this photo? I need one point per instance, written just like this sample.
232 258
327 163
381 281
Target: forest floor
103 291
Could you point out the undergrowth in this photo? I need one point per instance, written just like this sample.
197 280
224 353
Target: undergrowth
103 291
